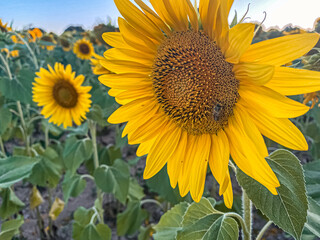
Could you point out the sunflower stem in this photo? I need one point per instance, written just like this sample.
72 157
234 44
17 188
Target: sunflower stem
46 137
247 215
240 219
93 131
263 230
5 62
2 147
34 58
24 128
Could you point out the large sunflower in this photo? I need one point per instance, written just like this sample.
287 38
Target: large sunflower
60 93
194 92
83 48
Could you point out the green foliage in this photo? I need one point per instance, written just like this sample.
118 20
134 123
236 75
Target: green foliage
96 114
129 221
312 178
313 218
11 204
15 169
288 209
5 119
76 152
72 185
10 228
114 179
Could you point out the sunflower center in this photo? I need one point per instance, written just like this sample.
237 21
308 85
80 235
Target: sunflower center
193 83
65 94
84 48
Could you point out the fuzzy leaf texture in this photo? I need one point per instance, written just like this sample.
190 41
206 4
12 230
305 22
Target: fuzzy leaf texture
288 209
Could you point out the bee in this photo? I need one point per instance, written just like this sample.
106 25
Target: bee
217 112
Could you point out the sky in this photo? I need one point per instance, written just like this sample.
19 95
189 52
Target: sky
57 15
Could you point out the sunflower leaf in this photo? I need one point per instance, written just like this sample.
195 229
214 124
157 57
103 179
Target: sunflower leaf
202 221
11 228
312 177
313 218
11 204
5 119
288 209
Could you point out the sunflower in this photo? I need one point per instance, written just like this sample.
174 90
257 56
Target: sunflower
4 27
60 93
97 68
195 91
83 48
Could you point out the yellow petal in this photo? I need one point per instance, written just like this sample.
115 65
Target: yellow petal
145 147
138 20
228 194
258 74
279 51
280 130
114 39
208 13
122 66
222 27
292 81
56 208
248 149
199 167
134 94
219 157
162 149
193 18
174 162
265 99
126 81
240 38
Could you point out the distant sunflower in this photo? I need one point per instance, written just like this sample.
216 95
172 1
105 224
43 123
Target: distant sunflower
65 43
60 93
97 68
83 48
4 27
194 93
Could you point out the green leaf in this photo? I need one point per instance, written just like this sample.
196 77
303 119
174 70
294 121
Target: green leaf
312 177
19 89
114 179
288 209
53 129
109 155
72 186
164 189
15 169
76 152
313 218
202 221
234 20
5 119
11 204
145 233
129 221
48 171
82 217
171 222
11 228
135 190
96 114
98 232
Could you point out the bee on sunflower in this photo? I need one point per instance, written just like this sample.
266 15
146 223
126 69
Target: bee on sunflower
195 91
61 95
83 49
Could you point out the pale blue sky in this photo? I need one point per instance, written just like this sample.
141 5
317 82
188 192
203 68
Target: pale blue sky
56 15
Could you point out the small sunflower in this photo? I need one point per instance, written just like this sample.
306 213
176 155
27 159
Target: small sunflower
195 91
97 68
4 27
35 34
83 48
65 43
60 93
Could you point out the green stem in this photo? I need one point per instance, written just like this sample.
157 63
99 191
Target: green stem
93 131
263 230
6 66
151 201
240 219
2 147
247 215
46 137
34 58
50 219
24 127
40 223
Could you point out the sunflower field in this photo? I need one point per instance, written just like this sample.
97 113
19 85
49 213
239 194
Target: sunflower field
174 124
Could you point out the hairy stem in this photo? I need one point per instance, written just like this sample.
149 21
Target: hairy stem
240 219
247 215
6 66
24 127
93 131
263 230
2 147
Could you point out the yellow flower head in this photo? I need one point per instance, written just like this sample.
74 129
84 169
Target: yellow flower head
65 43
83 48
195 91
16 40
97 68
4 27
14 53
35 33
60 93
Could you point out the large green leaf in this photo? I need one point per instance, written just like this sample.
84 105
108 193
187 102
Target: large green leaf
312 177
72 186
202 221
19 89
114 179
171 222
11 204
313 218
164 189
15 169
76 152
96 232
135 190
82 218
11 228
47 172
129 221
96 114
288 209
5 119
